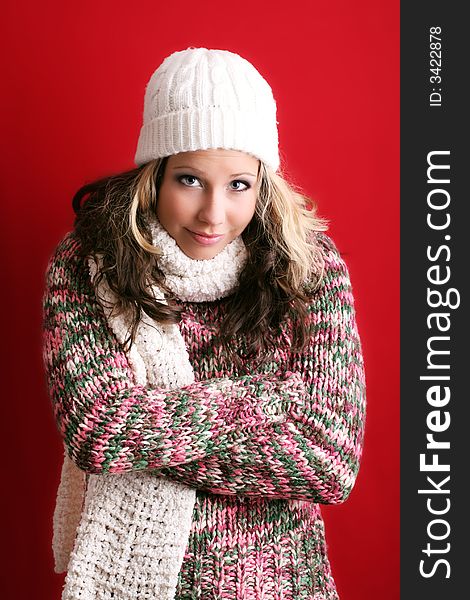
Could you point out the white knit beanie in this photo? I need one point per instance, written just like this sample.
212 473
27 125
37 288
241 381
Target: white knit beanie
199 99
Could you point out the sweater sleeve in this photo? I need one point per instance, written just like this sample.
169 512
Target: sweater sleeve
110 424
314 452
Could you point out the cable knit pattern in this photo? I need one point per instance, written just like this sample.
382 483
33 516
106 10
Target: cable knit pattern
202 98
261 449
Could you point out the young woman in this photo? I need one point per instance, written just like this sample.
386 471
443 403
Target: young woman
203 358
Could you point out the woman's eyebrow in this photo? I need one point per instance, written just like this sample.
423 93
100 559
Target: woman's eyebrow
203 173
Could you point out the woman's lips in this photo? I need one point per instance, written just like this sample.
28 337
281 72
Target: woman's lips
204 238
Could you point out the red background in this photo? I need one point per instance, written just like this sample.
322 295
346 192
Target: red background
75 75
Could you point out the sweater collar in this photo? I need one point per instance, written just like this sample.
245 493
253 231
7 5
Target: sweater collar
194 280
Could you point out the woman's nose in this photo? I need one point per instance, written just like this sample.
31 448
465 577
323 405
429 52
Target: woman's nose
212 210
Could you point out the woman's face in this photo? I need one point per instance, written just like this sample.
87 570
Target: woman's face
207 198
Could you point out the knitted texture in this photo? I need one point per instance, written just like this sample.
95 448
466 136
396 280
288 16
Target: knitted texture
104 562
67 512
127 544
262 449
199 99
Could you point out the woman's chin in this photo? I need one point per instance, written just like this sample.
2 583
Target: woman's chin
202 253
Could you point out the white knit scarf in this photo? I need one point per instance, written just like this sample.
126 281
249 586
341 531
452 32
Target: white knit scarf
123 536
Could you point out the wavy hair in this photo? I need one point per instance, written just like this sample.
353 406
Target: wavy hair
113 217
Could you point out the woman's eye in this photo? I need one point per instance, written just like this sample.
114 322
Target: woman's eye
241 185
192 181
189 180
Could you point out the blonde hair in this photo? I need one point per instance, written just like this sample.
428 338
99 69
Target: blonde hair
144 199
289 225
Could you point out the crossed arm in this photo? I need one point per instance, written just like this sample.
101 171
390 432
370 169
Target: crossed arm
293 434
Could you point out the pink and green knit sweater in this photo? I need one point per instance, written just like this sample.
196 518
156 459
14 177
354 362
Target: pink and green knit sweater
264 447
